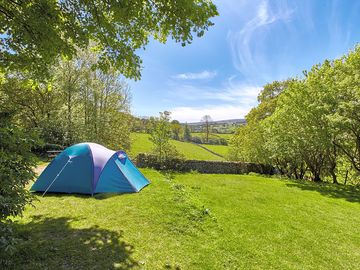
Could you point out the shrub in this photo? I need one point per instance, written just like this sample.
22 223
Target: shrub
223 141
202 166
196 139
16 170
175 163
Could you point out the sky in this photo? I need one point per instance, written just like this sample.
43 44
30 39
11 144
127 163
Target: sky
252 43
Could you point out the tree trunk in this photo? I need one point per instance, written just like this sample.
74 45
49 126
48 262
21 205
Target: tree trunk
333 174
69 116
317 178
346 177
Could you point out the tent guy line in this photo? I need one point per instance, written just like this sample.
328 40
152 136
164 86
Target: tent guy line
57 176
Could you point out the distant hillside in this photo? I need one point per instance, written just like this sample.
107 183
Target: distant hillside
220 122
220 126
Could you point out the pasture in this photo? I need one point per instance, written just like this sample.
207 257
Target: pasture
142 144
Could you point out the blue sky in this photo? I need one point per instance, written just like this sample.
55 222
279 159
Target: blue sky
253 42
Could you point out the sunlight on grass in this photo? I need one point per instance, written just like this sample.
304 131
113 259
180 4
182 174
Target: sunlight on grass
195 221
142 144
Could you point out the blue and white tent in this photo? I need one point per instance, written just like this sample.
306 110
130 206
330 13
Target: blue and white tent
90 168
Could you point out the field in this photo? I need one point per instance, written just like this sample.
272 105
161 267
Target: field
220 149
142 144
193 221
213 135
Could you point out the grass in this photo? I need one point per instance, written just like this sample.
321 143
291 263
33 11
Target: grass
220 149
142 144
194 221
213 135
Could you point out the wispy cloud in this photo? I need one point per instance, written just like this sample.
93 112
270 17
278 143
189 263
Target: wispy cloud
204 75
246 51
219 112
234 92
231 101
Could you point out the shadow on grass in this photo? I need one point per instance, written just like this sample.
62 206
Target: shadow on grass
51 243
97 196
349 193
59 194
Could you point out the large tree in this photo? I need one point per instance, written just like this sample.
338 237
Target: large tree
206 120
34 33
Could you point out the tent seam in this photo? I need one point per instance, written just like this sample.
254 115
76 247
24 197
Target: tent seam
127 179
136 167
93 169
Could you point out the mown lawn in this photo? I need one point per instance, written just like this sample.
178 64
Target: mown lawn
194 221
142 144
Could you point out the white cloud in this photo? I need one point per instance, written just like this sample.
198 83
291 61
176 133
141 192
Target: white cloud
247 54
232 101
218 112
231 93
196 76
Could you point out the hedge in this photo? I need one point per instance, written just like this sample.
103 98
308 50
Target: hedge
203 166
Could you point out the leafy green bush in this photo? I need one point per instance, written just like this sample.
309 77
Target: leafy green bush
202 166
196 139
160 135
212 141
16 170
217 141
175 163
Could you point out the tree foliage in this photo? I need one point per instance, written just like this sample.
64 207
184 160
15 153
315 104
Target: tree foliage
308 127
78 103
34 33
187 133
176 129
160 136
16 170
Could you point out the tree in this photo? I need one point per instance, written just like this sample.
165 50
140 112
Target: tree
160 135
77 103
34 33
16 164
187 133
296 127
309 127
176 129
249 141
206 120
346 118
267 100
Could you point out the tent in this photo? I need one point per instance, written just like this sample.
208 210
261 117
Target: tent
90 168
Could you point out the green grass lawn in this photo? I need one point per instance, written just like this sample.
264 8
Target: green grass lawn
196 221
142 144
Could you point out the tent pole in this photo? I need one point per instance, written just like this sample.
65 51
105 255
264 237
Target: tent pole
67 162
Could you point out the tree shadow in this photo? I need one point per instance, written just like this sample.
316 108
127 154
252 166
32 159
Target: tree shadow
51 243
97 196
349 193
60 194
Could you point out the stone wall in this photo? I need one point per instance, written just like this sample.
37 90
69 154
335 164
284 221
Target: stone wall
203 166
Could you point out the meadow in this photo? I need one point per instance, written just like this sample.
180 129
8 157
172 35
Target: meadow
195 221
213 135
142 144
